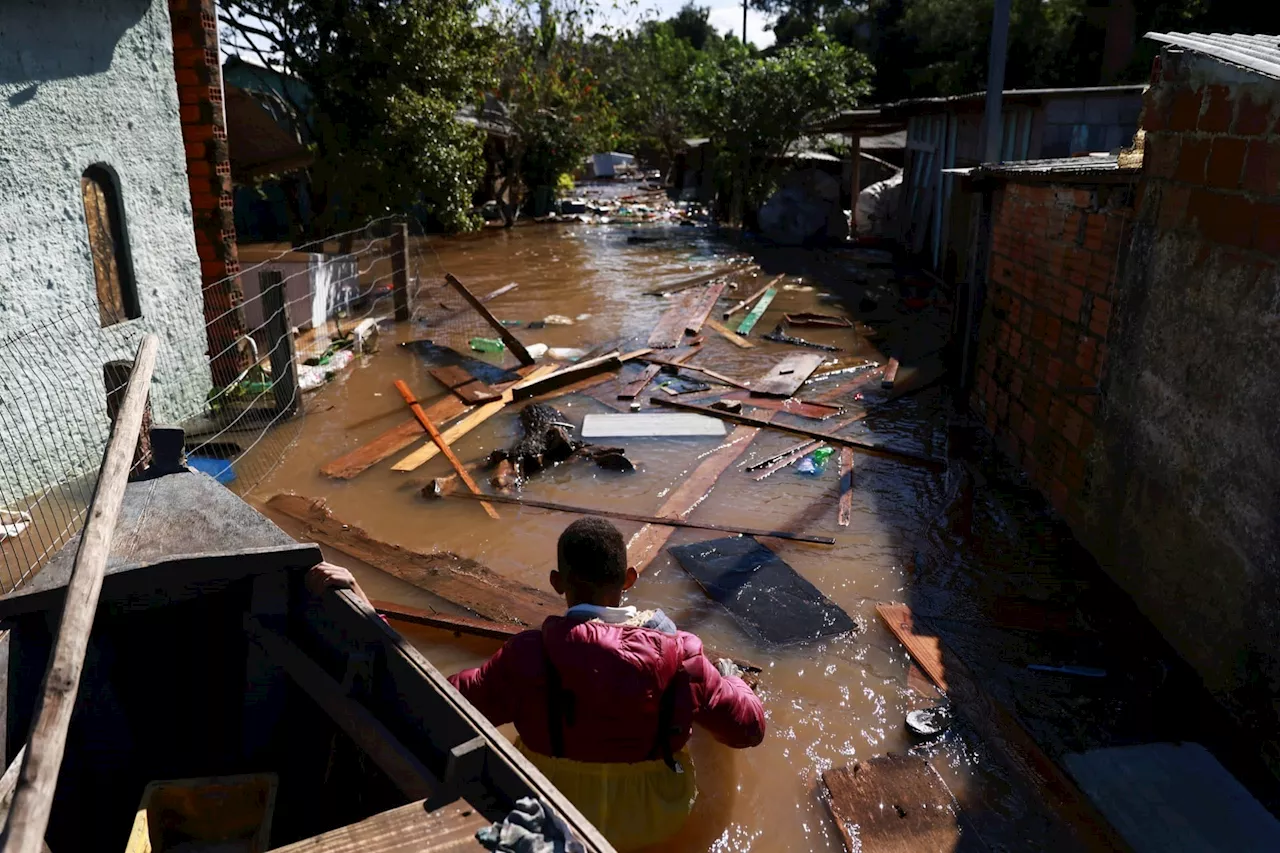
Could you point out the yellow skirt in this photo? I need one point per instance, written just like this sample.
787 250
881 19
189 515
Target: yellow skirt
633 805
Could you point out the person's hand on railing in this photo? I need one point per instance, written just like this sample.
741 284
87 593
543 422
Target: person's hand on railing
324 576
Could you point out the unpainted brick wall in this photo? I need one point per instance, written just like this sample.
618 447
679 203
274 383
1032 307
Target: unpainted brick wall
198 74
1055 251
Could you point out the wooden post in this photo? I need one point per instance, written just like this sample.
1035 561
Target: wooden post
855 181
115 376
33 799
400 270
284 369
512 342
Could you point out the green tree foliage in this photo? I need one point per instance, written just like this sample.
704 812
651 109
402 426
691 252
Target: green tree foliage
756 108
384 80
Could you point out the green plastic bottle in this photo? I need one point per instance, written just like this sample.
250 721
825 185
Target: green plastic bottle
487 345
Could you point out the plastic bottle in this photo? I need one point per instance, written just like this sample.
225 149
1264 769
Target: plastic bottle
487 345
815 463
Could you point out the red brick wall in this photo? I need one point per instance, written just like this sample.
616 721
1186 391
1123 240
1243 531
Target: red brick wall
198 73
1043 347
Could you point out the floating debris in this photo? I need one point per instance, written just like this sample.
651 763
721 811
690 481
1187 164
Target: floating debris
557 320
781 337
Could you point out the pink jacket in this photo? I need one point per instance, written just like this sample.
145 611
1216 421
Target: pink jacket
612 678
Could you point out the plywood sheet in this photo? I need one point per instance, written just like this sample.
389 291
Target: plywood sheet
924 649
788 375
892 804
415 828
462 383
650 424
764 595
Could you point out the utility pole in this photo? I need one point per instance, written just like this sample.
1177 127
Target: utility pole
744 23
995 82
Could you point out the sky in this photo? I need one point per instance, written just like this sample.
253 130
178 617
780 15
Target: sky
725 15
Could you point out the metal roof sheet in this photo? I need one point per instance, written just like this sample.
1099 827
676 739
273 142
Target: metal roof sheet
1096 167
1258 53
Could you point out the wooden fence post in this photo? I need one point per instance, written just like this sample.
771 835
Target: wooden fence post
284 369
400 269
115 376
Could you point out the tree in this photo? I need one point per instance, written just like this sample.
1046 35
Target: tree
757 108
692 24
384 80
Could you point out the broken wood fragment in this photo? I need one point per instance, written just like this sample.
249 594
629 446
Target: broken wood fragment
719 377
890 374
786 377
892 804
634 388
457 579
738 306
728 334
846 486
462 383
441 443
747 420
790 458
762 305
685 284
512 342
666 521
567 376
701 309
791 405
670 330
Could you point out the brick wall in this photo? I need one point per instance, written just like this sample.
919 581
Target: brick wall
198 73
1051 284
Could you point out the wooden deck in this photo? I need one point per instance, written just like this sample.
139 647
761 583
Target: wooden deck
415 828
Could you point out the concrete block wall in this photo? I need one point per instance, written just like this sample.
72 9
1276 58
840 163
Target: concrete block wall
198 76
1043 349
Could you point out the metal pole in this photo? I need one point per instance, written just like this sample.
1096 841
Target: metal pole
744 22
995 82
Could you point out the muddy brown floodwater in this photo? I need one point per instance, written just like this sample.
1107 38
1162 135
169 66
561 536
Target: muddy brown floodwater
828 702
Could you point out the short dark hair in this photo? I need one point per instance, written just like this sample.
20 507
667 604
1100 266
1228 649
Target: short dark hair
591 552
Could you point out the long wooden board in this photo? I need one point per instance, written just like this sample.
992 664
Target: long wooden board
443 445
428 451
1008 741
685 498
462 383
785 378
397 438
567 376
634 388
414 828
804 432
728 334
701 310
846 487
790 405
512 342
738 306
892 804
457 579
748 322
685 284
719 377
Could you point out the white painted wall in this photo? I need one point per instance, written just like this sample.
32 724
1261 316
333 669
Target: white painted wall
84 82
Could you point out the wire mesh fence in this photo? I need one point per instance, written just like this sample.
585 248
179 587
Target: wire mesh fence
235 379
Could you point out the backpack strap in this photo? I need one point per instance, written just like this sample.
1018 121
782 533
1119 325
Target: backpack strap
667 729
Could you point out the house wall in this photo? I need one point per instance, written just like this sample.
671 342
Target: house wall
85 82
1169 475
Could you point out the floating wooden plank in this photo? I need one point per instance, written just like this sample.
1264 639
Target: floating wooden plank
427 452
839 440
805 318
567 376
892 804
512 342
442 444
685 498
650 425
846 486
795 455
669 331
1044 781
462 383
791 405
399 437
779 336
685 284
764 463
650 519
762 305
1173 798
890 374
738 306
418 827
633 388
719 377
786 377
728 334
765 596
459 580
701 310
435 355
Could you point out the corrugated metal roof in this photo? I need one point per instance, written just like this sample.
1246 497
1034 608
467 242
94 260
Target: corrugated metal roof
1258 53
1097 167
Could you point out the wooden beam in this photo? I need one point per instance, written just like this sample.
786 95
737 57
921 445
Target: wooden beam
752 298
427 452
701 310
1044 781
392 757
748 420
399 437
33 797
459 580
635 387
412 828
728 334
649 519
685 284
846 486
749 321
791 405
669 331
890 374
796 453
442 444
512 342
567 376
462 383
719 377
786 377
